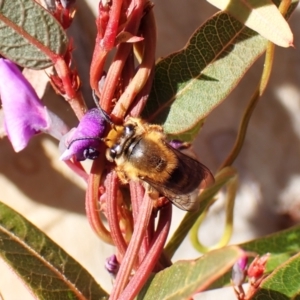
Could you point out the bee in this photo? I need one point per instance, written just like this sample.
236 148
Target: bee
142 152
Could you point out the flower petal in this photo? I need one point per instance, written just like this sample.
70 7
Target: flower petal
83 141
23 111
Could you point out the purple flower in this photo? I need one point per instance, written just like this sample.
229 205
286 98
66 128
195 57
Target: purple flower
83 141
179 145
24 113
239 270
112 265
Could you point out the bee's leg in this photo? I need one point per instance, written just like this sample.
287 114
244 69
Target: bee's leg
156 128
152 192
122 175
159 201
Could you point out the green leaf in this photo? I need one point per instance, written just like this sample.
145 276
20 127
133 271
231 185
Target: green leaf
188 84
43 266
281 245
186 278
283 283
29 35
189 135
262 16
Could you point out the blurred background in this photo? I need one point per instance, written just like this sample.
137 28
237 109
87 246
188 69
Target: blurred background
39 186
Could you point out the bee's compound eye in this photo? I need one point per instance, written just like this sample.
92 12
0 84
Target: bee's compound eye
129 129
90 153
112 154
115 151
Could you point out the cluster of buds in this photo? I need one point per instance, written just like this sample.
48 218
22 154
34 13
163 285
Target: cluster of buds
255 273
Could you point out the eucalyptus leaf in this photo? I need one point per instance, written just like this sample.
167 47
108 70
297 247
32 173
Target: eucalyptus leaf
45 268
29 35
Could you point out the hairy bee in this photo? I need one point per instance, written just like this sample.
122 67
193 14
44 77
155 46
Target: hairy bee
141 152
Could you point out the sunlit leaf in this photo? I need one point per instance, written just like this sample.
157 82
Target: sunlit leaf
190 83
29 35
186 278
43 266
283 283
262 16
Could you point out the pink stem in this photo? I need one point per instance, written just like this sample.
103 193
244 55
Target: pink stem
133 247
112 213
111 30
120 58
105 44
140 79
137 193
142 274
92 201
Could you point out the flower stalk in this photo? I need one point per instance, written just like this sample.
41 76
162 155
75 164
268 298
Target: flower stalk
133 247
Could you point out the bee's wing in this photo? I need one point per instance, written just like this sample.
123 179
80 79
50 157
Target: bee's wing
186 202
194 170
183 191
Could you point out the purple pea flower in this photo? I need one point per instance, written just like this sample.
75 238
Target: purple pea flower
239 270
24 113
112 265
84 140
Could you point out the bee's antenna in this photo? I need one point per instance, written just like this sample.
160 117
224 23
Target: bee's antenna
105 140
104 113
83 139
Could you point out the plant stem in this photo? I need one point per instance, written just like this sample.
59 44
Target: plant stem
269 58
231 193
104 43
123 51
142 274
112 213
143 74
74 98
137 194
133 248
92 200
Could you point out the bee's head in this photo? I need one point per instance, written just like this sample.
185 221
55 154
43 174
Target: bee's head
118 139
